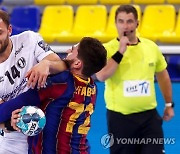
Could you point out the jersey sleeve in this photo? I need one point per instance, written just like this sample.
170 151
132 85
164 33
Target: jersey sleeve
42 49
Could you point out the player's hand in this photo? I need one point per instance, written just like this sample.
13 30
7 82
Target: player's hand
3 128
14 119
1 101
168 113
38 74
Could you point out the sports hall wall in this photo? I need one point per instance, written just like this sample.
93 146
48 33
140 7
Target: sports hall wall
63 23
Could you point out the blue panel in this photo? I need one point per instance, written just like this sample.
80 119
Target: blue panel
4 8
25 18
173 66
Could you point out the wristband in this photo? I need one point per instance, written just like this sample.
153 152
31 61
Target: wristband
117 57
8 126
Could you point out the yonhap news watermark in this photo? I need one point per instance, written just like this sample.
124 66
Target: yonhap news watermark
108 140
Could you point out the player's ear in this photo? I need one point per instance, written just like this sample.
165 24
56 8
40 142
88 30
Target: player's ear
137 24
10 30
78 64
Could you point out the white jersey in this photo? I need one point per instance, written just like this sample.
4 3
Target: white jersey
28 49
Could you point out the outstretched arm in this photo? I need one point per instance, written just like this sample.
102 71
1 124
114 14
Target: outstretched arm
56 86
31 97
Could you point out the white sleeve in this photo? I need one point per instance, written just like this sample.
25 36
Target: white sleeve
42 49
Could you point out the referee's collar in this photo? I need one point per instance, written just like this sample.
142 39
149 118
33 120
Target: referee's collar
132 44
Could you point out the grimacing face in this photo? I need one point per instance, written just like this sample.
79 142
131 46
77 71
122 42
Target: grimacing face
72 53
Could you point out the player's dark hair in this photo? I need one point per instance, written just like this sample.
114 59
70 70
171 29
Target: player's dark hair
5 17
128 9
93 55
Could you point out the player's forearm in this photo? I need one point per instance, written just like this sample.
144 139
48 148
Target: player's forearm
56 65
30 97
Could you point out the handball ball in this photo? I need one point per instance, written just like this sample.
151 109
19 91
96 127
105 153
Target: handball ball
31 121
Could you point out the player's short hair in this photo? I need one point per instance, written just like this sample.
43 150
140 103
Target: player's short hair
5 17
93 55
128 9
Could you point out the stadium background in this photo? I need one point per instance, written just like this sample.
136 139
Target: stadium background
159 23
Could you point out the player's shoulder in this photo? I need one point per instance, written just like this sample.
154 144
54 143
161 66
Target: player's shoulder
61 77
26 35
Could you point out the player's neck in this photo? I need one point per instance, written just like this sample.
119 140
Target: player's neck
78 72
81 76
5 55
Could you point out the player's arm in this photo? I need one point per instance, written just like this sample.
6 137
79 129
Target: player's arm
2 125
31 97
51 64
34 97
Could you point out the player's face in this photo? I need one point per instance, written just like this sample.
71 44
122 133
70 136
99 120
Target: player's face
4 36
125 22
72 53
72 56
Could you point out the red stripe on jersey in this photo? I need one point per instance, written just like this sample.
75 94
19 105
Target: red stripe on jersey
50 93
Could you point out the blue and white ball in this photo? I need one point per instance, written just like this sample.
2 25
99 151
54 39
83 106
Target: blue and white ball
32 120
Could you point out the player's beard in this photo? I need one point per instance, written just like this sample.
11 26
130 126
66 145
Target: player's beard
68 63
4 45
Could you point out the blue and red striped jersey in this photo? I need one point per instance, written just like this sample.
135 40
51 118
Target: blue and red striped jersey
68 102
